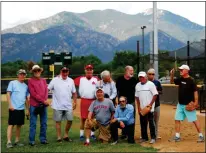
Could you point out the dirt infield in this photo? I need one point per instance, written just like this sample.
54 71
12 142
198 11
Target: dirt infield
166 130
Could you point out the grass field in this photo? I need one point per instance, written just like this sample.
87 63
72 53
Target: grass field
53 146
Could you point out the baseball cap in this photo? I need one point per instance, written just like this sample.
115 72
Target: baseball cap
98 88
142 74
89 66
64 68
186 67
21 71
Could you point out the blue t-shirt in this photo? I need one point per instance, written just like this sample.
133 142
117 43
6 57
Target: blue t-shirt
19 92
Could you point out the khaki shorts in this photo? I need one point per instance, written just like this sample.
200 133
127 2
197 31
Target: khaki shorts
104 131
60 115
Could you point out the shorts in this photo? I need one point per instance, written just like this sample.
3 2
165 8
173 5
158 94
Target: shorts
104 130
16 117
84 106
60 115
182 113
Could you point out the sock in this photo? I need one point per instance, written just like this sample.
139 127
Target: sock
92 133
8 142
81 133
87 140
177 135
200 135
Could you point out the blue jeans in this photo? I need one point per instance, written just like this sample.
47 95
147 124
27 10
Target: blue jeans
43 125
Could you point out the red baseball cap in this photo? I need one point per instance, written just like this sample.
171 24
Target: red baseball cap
89 66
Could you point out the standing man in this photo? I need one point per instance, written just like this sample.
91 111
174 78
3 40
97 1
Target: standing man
187 93
124 119
87 87
126 87
38 105
101 112
108 86
151 77
146 94
63 89
17 94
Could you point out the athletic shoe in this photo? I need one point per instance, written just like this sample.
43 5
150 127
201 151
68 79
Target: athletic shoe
67 139
152 141
93 137
9 145
86 143
201 139
174 139
81 138
18 144
143 140
114 143
44 142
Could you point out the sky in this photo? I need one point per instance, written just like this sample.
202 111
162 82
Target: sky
15 13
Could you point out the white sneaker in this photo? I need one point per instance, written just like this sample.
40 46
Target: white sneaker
152 141
114 143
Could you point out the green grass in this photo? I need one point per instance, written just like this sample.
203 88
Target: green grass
53 146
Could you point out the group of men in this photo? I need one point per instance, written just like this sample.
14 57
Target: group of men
99 108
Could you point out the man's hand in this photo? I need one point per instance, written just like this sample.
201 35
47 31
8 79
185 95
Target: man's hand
172 72
27 112
122 124
11 108
113 120
139 110
46 103
74 105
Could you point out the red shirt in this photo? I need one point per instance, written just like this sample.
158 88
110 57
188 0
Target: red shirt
38 91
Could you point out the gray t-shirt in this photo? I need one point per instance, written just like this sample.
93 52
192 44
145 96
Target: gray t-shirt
102 110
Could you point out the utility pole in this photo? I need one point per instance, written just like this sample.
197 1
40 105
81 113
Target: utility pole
143 27
155 28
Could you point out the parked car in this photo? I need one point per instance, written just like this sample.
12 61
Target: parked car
165 80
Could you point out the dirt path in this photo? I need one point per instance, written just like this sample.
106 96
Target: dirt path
166 130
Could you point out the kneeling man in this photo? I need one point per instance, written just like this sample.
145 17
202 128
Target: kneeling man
101 112
124 119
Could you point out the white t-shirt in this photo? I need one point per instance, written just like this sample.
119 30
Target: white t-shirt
87 87
62 93
145 93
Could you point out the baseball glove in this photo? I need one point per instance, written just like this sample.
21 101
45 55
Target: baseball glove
190 107
145 110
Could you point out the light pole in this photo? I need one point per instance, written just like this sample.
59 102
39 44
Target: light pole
143 27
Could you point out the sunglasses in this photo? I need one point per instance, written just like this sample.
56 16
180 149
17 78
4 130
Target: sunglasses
65 71
122 101
37 70
97 87
151 74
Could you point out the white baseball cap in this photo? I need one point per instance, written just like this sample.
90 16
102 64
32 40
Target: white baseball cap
142 74
184 67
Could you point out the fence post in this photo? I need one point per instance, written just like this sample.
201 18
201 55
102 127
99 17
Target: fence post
188 53
138 61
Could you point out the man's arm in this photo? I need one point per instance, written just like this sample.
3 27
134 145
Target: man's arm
128 115
74 96
153 100
196 98
138 104
114 91
27 105
8 95
172 76
90 115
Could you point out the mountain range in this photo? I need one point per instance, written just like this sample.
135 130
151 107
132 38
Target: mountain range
96 32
